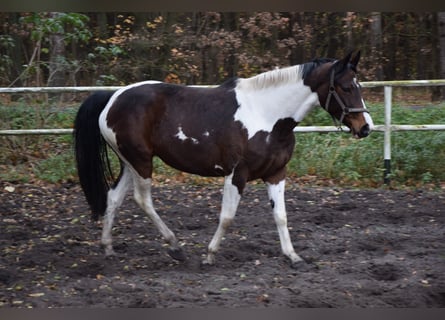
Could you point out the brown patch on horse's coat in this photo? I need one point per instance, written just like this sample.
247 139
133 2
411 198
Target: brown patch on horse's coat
268 153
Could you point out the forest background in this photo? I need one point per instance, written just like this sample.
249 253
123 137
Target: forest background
71 49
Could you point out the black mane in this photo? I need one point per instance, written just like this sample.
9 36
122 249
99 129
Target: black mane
308 67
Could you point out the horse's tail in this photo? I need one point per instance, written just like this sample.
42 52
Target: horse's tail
91 153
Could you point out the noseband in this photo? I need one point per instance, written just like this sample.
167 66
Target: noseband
345 110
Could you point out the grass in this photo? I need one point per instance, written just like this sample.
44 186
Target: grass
418 158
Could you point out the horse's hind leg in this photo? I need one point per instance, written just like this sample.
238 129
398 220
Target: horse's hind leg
115 197
142 195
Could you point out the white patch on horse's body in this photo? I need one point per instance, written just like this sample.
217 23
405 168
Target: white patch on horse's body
218 167
182 136
271 96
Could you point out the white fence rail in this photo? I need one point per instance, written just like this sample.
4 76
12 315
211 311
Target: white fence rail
386 128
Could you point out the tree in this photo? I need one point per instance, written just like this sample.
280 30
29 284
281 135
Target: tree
376 43
441 26
49 34
56 77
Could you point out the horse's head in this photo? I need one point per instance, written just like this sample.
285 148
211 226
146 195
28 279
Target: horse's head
339 93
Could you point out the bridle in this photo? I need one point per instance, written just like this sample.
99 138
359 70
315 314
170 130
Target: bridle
345 110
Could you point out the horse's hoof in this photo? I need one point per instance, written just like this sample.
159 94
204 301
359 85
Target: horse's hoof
206 265
177 254
209 260
111 257
109 253
303 266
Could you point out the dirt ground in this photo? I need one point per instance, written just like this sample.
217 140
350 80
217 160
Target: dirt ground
364 248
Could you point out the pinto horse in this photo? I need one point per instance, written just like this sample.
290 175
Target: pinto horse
242 130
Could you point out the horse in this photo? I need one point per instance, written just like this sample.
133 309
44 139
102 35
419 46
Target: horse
241 130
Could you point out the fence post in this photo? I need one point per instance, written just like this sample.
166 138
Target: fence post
387 135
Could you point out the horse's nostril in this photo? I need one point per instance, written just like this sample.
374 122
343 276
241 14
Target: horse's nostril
364 131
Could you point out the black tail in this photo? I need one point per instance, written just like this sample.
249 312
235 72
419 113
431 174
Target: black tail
91 153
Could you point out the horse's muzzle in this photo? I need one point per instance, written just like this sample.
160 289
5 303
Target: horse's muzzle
364 131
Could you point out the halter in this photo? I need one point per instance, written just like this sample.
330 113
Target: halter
345 110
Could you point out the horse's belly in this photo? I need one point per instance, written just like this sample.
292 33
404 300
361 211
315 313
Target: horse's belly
201 160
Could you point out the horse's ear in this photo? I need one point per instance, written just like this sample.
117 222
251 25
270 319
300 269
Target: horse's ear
355 59
341 65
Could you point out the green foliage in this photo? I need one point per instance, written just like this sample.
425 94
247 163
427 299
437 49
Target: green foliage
338 156
57 167
73 26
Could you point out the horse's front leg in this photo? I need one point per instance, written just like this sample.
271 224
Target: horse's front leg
276 196
231 198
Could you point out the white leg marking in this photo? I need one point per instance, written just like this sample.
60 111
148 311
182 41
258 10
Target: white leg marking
230 202
115 197
276 195
142 195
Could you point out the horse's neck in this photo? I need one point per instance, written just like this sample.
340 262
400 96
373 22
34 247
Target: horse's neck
281 92
275 95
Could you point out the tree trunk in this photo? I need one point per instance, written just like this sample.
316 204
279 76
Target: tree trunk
349 31
441 23
297 52
376 44
16 53
56 77
231 24
333 35
102 25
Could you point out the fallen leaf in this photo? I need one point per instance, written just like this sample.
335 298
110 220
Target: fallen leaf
9 189
36 295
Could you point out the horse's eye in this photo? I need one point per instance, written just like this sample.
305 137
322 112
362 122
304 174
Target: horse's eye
346 89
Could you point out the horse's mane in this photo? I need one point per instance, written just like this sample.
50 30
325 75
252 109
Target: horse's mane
276 77
308 67
272 78
284 75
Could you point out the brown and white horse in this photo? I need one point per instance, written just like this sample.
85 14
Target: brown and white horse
242 130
